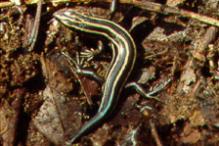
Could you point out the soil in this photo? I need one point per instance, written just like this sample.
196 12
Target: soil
44 100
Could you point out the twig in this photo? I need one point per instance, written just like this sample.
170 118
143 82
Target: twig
159 8
149 6
201 45
36 25
6 4
155 134
73 69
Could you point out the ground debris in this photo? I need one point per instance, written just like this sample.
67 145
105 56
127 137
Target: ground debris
41 89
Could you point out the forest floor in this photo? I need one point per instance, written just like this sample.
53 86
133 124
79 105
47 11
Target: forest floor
43 100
